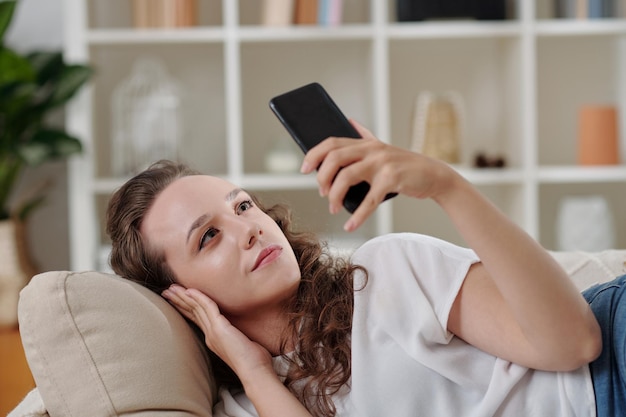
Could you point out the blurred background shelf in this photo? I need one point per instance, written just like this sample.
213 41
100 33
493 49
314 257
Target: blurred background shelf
522 80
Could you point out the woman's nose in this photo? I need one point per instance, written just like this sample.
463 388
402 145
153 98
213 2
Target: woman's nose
254 232
248 231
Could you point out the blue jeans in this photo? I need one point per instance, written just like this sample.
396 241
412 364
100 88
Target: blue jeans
608 371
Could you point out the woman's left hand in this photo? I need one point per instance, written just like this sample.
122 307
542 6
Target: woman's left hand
344 162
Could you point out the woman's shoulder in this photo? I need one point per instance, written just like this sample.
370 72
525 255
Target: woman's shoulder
412 243
400 239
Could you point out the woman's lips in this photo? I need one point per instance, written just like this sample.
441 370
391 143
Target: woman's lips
267 255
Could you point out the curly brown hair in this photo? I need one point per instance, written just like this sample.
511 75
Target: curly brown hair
320 315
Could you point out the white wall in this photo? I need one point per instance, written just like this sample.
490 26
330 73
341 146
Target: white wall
38 25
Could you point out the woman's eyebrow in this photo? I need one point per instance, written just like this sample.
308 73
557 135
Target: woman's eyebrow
203 218
233 194
199 222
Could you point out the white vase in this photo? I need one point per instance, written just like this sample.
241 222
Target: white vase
585 223
15 269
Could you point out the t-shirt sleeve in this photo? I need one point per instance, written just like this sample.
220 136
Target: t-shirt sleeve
233 403
412 283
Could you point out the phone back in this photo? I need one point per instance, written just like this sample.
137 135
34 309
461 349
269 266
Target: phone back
310 115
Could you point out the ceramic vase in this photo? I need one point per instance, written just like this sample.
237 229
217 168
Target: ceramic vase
598 136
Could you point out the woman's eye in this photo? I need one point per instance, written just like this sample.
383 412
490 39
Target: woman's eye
244 205
207 236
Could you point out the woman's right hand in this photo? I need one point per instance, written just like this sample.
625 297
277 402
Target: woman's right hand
249 360
245 357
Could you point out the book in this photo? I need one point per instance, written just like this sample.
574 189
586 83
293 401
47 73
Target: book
329 12
595 9
335 14
277 12
565 9
164 13
306 12
582 9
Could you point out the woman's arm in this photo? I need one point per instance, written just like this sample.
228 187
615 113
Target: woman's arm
250 361
518 304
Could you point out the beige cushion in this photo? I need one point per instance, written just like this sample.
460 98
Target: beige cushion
589 268
99 345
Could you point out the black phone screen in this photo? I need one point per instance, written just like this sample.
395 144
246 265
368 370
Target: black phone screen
310 115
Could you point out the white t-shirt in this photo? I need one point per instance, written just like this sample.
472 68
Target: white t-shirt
406 363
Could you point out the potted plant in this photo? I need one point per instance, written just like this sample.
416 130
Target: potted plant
31 87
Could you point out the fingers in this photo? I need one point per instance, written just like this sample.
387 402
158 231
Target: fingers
334 154
194 305
174 294
344 162
380 186
317 154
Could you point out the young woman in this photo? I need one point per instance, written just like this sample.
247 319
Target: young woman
410 325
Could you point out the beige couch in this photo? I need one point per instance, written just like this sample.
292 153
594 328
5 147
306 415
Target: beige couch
99 345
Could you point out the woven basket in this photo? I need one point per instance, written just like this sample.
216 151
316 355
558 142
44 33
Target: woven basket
16 268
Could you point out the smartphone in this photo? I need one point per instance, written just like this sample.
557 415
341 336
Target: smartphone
310 115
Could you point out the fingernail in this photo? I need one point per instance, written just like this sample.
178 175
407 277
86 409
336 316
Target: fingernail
305 168
166 293
349 226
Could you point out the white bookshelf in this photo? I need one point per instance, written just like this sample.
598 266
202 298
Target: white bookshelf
522 80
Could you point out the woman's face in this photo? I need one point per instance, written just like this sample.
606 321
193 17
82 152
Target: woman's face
216 240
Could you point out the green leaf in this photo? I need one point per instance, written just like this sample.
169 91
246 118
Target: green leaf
70 80
48 144
6 14
33 153
17 115
16 96
30 87
14 67
47 65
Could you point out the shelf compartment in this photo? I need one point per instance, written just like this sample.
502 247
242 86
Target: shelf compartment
353 12
269 69
425 216
201 80
571 73
550 196
111 14
484 72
